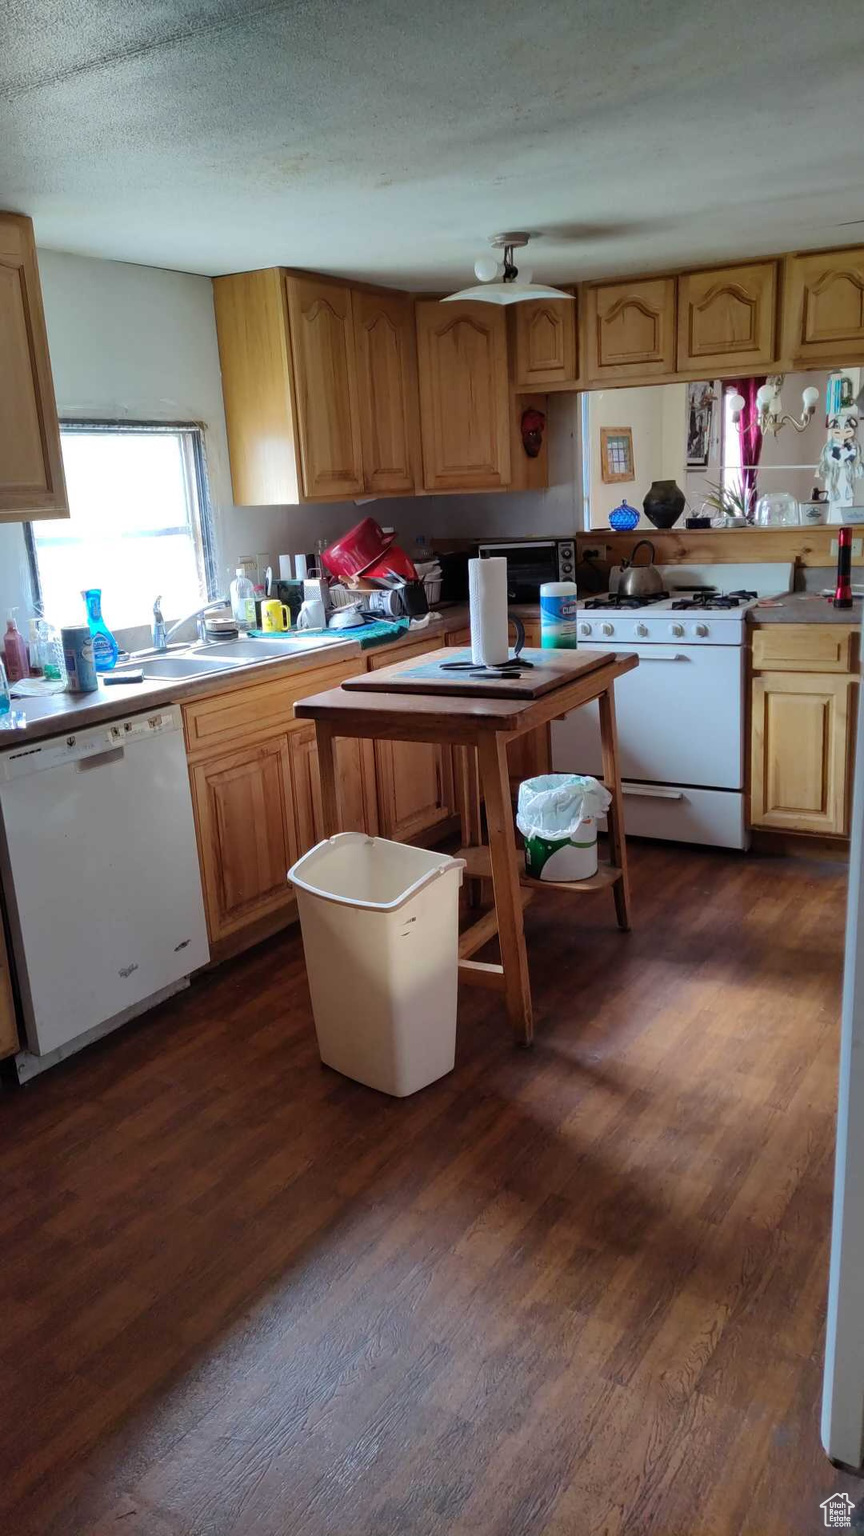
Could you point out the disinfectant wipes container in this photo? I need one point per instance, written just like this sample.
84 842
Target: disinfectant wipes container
557 816
381 938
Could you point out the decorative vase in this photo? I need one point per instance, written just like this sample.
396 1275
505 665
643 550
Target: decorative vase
664 503
623 518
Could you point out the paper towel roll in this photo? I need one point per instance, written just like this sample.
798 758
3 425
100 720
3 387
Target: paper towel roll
487 608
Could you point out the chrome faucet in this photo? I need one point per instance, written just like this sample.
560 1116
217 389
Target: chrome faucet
163 636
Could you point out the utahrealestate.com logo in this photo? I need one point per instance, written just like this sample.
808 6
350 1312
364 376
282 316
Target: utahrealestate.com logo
838 1511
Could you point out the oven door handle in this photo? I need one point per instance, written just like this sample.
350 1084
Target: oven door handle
679 656
652 791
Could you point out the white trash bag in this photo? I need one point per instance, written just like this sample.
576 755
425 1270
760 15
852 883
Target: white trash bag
557 816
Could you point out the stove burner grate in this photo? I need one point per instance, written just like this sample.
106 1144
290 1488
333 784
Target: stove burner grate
708 600
615 600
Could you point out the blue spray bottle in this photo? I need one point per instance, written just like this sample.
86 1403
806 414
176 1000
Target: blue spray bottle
105 647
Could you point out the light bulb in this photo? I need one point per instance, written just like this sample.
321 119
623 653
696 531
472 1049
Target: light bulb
736 404
764 396
487 268
809 397
526 274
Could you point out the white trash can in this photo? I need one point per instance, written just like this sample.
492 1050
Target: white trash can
380 923
557 816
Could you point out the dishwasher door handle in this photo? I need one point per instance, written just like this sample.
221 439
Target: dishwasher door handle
99 759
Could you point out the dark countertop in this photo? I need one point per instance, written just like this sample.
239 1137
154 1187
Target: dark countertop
805 608
53 714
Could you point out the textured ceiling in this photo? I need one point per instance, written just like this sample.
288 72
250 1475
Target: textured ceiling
389 140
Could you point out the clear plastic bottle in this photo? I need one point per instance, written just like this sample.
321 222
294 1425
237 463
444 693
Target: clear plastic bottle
243 600
105 647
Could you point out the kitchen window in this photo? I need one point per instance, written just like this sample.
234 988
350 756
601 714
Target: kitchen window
139 524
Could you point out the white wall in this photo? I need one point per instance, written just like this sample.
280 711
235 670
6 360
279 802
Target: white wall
139 343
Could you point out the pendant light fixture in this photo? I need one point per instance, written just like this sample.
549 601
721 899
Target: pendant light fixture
501 281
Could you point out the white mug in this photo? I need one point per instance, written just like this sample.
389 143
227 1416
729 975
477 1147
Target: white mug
311 615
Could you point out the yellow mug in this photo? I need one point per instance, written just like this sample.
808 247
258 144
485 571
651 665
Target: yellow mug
275 617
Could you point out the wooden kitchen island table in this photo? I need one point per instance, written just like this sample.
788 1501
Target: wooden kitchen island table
486 724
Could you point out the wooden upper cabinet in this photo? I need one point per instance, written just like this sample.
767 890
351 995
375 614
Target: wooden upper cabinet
728 317
325 382
31 464
464 395
387 376
545 335
630 329
824 308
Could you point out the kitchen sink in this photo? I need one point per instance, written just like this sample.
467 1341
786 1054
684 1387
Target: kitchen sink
284 645
185 666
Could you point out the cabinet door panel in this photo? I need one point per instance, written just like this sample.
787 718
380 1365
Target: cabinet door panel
31 466
355 787
9 1043
824 308
415 787
631 329
387 373
325 370
727 317
464 395
246 833
545 339
801 731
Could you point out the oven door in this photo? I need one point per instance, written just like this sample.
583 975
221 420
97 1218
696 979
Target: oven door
680 719
528 566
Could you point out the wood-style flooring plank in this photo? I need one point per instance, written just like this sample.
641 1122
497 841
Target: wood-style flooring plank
573 1292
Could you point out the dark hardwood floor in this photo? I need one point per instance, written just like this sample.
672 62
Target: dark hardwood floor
574 1291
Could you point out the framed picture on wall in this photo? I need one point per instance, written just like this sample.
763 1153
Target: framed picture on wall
616 454
701 397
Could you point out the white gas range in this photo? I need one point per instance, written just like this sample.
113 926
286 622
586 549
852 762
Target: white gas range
681 713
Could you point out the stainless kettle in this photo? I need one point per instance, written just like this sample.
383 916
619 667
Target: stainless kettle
638 580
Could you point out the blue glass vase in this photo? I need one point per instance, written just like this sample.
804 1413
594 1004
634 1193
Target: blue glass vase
624 518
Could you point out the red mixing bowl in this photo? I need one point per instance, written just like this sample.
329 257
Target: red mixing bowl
357 549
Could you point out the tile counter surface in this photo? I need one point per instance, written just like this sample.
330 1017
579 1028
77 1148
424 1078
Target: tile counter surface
55 713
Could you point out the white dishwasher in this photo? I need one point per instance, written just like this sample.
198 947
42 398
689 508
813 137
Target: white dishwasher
100 878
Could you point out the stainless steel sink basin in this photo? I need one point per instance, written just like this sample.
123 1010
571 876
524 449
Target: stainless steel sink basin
186 666
266 650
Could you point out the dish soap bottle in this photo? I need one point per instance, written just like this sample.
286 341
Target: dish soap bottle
243 600
105 647
14 651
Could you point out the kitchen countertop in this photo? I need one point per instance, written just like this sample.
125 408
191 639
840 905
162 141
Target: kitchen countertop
805 608
52 714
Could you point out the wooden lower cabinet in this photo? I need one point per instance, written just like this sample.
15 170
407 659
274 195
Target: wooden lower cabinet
802 733
244 815
355 775
9 1043
415 787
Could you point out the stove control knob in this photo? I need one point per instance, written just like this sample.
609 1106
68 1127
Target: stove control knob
584 628
701 630
677 630
641 629
607 629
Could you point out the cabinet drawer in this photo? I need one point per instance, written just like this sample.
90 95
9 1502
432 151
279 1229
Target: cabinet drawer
417 648
803 648
237 715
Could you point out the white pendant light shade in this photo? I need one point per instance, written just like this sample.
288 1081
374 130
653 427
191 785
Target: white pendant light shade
507 293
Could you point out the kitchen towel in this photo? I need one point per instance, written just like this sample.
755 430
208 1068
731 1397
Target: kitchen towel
487 610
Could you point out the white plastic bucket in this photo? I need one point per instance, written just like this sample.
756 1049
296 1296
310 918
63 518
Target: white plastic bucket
570 859
380 923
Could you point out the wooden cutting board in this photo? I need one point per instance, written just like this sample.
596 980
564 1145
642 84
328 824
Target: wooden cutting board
424 674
